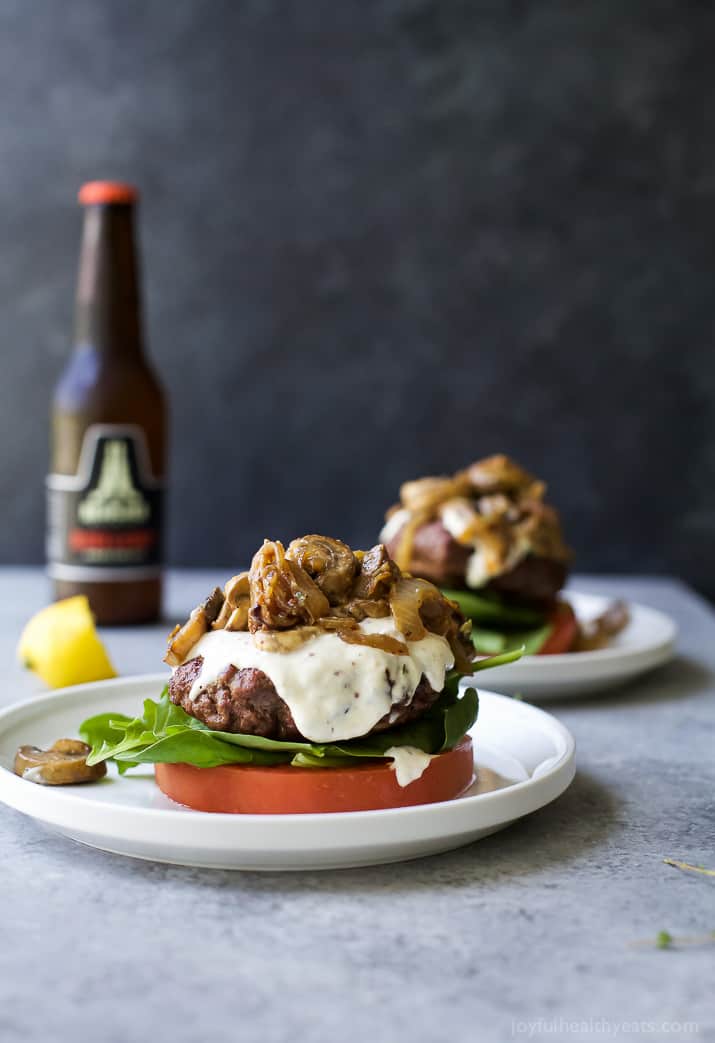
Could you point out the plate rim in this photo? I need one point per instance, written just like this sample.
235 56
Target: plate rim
610 654
557 776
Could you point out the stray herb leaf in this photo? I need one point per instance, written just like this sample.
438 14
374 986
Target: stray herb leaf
688 867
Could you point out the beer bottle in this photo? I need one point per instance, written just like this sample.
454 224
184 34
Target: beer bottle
105 489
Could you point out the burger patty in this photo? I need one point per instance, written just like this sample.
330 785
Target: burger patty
246 701
536 580
437 556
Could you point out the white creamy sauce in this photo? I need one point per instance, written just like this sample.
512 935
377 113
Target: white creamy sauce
393 524
481 565
456 516
335 691
477 572
480 569
409 763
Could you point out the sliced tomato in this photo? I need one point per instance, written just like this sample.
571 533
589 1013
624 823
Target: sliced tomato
564 630
281 789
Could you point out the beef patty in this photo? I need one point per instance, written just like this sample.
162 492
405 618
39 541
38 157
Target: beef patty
246 701
438 557
535 580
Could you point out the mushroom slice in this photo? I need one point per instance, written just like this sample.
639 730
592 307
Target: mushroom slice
238 620
377 576
183 638
329 562
597 633
213 604
64 764
223 617
284 640
237 587
234 612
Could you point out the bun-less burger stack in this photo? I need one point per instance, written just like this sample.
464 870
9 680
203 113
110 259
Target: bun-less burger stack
323 679
488 538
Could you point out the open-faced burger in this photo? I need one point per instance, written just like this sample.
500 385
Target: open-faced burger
489 539
322 679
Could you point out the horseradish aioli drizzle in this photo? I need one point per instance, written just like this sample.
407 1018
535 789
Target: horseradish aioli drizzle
409 763
393 524
334 691
483 564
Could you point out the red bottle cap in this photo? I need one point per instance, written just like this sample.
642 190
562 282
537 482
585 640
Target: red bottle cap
98 192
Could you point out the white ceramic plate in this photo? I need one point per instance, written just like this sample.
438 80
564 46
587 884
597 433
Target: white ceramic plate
647 642
531 752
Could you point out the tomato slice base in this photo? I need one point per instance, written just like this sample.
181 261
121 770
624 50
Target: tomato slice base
564 630
247 789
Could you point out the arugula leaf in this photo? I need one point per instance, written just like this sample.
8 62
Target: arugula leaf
497 660
488 642
460 719
489 608
166 734
500 626
193 746
531 641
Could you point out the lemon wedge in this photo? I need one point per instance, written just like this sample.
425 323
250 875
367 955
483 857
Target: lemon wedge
61 645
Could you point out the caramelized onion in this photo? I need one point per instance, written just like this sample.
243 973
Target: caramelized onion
598 632
338 623
405 539
500 474
406 600
494 506
367 608
282 593
285 600
384 642
425 494
418 608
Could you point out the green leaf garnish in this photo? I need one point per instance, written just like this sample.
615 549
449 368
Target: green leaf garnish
686 866
489 608
166 734
488 642
500 626
497 660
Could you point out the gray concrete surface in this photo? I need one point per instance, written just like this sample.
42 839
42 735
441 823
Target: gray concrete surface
539 932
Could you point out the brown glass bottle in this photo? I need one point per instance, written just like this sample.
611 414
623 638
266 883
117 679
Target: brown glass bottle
105 488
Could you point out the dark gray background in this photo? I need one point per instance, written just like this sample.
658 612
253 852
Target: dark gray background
380 240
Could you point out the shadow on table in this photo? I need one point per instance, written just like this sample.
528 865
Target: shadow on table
563 832
566 831
682 678
575 825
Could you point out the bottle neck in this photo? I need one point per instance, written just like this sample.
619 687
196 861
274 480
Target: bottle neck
108 316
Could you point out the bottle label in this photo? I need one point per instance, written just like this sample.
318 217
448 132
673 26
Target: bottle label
105 522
